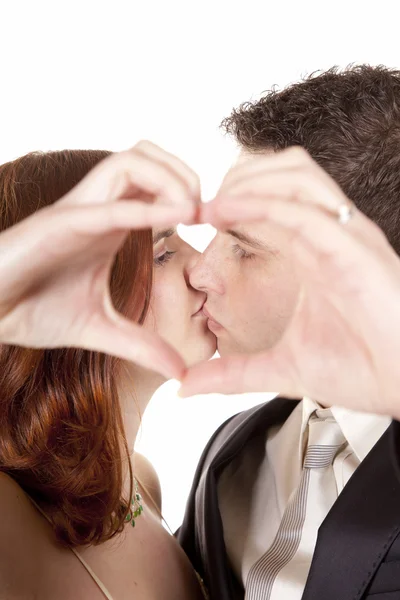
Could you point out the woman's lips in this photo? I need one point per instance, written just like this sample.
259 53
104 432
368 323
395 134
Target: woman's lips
199 311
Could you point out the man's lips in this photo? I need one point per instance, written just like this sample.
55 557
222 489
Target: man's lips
210 317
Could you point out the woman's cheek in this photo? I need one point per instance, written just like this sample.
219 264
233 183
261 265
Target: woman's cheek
166 305
163 290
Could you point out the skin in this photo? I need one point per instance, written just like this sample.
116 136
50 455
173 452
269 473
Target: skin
338 327
175 311
68 251
32 564
251 292
341 345
125 564
176 317
249 276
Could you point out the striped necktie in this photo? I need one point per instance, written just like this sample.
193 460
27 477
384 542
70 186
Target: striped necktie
281 573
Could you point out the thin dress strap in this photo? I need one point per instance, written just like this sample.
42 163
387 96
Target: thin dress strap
93 575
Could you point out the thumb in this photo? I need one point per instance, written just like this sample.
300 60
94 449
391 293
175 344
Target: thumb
264 372
118 336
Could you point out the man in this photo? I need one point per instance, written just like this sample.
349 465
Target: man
33 312
293 499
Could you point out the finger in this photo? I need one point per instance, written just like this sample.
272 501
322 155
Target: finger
253 164
115 177
37 231
123 215
241 374
174 163
217 214
321 232
214 214
120 337
309 186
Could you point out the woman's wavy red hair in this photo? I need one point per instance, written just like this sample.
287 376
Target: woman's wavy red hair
61 430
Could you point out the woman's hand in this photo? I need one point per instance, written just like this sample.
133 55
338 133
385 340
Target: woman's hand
55 265
342 345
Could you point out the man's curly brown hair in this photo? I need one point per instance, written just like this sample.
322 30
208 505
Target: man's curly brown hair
349 121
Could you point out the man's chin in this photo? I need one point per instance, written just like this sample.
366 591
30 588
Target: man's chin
226 347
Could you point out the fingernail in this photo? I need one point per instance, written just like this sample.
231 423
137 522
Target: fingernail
207 211
189 215
182 392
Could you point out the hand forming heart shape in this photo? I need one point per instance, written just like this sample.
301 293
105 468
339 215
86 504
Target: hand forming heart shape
340 346
56 264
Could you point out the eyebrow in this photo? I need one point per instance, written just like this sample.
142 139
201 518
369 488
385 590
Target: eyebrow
249 240
159 235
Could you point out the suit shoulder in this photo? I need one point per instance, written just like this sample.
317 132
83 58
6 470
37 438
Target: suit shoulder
225 431
247 423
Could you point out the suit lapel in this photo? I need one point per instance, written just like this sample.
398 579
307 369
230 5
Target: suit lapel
358 530
209 532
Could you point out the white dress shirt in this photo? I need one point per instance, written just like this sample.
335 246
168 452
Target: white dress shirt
255 488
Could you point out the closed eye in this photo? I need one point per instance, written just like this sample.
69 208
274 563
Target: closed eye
160 261
241 253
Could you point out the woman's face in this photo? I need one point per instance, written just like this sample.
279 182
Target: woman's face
175 308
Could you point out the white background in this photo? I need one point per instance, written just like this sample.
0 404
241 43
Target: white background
94 74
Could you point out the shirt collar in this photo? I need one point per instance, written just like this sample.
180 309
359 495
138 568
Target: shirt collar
361 430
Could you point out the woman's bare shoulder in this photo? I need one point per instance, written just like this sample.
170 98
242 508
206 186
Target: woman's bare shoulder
13 502
149 481
18 539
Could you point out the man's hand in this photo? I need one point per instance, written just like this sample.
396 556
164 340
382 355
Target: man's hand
342 345
55 265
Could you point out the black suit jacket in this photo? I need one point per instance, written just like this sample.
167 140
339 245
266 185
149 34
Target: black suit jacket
357 555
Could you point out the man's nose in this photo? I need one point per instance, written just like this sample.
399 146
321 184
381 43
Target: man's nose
204 274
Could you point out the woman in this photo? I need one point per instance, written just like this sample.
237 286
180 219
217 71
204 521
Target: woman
69 418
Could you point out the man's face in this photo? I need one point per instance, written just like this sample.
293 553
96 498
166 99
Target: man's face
249 276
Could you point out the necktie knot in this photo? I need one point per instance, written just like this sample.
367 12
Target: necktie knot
325 439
